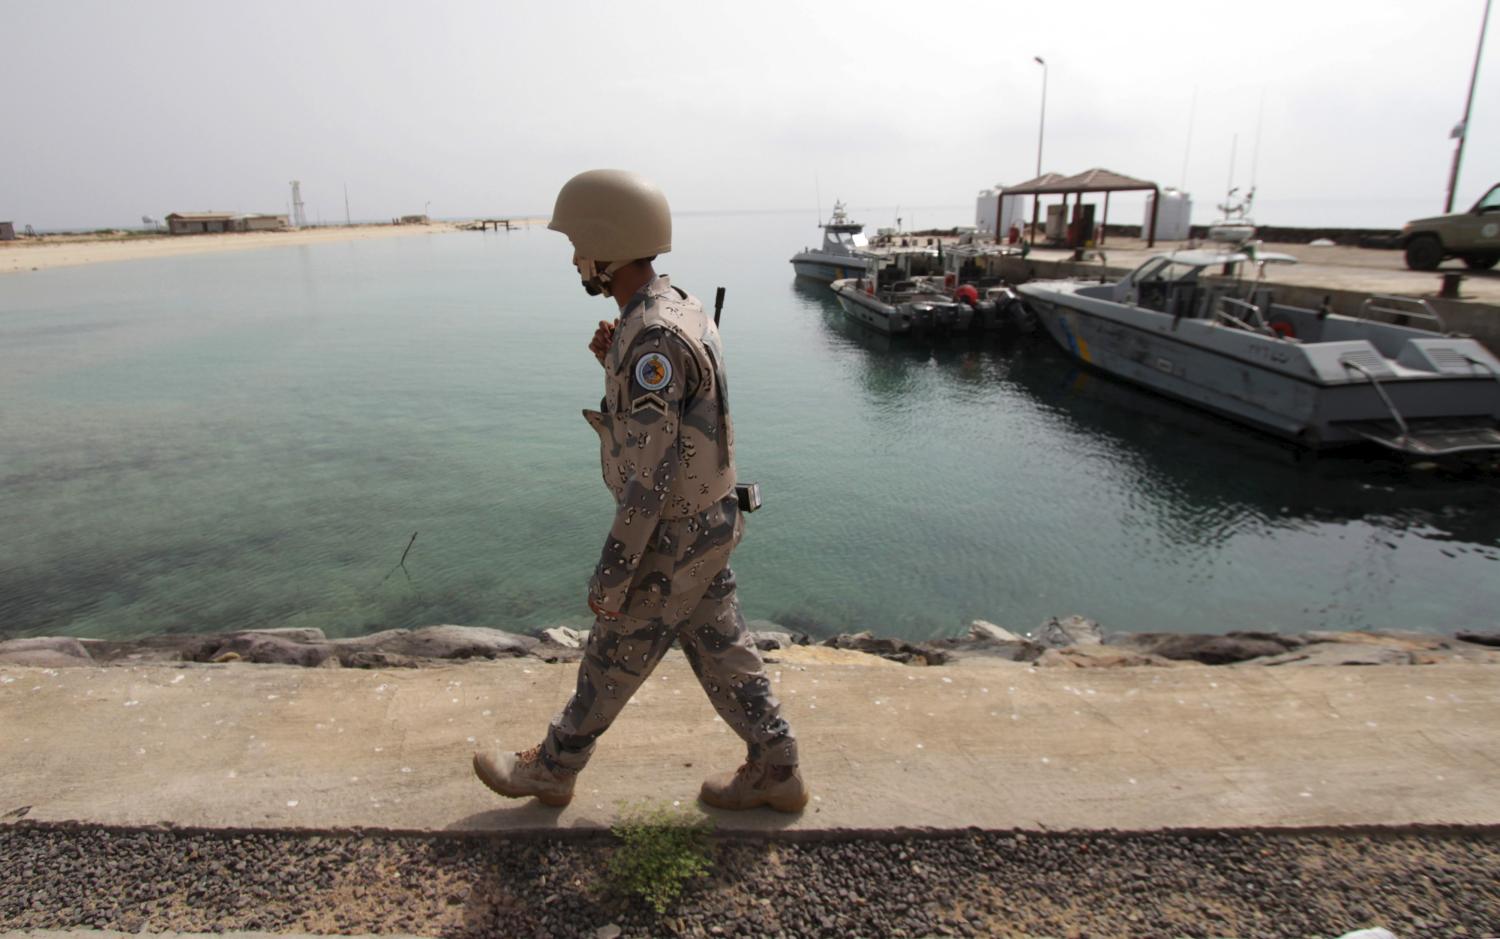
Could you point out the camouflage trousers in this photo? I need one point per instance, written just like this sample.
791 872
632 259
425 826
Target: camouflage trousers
683 591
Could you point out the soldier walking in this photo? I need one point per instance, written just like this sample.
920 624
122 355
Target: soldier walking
667 451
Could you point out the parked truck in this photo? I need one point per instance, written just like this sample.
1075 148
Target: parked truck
1473 236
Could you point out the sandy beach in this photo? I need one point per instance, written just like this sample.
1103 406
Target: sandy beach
48 251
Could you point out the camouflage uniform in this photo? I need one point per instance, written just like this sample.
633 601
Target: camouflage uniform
667 449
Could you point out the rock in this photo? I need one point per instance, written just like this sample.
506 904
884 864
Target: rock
259 648
1405 641
1208 649
823 655
564 636
449 642
1340 653
607 932
1101 656
1478 638
295 634
986 631
896 650
768 640
45 652
1072 631
374 658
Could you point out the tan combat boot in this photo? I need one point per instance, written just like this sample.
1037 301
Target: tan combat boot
753 785
518 775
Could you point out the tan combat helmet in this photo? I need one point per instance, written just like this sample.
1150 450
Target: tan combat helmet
613 217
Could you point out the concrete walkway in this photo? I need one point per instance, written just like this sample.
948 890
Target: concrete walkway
993 746
1337 267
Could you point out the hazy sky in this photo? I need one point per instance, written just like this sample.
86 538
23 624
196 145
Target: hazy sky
114 110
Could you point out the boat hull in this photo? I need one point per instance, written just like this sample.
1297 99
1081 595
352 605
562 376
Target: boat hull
863 308
1256 380
828 268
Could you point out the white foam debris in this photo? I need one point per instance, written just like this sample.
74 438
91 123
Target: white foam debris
130 704
6 679
291 803
406 769
178 679
947 680
1046 759
231 774
382 688
486 712
920 747
470 740
1132 780
272 697
1305 794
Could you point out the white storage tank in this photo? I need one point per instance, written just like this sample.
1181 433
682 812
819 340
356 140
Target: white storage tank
988 203
1176 219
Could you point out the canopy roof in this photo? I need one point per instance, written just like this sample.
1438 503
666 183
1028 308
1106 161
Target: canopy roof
1094 180
1210 258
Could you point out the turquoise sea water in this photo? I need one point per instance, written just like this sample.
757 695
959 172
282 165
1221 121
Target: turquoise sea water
250 439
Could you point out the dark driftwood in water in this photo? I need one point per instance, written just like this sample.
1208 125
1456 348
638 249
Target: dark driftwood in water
402 563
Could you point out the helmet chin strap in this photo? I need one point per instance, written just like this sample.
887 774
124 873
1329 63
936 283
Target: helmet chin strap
597 275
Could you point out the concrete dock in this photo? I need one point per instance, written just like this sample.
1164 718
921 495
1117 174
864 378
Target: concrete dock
989 745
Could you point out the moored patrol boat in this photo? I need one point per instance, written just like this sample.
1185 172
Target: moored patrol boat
1313 376
844 252
895 306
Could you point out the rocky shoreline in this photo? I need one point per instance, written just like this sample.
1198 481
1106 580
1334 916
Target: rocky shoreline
1068 642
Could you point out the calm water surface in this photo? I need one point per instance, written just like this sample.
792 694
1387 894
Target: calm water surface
250 439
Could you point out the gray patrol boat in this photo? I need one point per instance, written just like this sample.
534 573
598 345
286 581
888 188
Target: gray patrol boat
1313 376
844 253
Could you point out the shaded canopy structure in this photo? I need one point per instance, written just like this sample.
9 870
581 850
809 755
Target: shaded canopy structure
1094 180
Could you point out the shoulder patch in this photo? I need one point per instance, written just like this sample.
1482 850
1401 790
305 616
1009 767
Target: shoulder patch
653 371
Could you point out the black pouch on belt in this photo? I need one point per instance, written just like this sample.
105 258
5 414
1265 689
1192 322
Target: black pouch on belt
749 496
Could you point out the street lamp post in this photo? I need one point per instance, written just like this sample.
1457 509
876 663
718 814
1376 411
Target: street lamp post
1036 201
425 205
1462 130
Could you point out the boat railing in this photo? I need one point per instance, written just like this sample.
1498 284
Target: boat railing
1400 309
1390 405
1476 363
1250 314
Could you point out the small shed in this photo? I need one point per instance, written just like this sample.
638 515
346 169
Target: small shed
7 231
413 220
263 221
1094 180
199 223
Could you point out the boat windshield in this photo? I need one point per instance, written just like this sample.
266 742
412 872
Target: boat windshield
1161 270
848 239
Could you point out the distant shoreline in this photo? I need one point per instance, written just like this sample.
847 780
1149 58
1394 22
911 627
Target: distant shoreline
49 251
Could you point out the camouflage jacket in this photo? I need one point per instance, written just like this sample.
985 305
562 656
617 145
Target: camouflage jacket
666 440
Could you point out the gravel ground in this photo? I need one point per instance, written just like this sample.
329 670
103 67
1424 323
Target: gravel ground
1418 884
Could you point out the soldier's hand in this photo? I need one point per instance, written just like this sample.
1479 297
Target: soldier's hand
603 336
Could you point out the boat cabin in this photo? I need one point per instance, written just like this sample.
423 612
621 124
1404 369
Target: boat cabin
1174 284
842 236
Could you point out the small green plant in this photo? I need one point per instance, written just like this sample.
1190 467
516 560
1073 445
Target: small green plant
660 850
